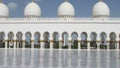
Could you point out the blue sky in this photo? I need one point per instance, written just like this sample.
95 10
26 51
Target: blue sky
83 8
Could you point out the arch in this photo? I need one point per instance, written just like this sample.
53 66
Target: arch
84 40
74 36
37 39
10 35
84 36
2 42
112 44
28 39
112 36
93 42
10 39
65 40
46 36
19 35
19 42
103 44
56 40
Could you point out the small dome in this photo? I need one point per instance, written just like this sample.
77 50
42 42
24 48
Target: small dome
101 10
66 9
4 11
32 10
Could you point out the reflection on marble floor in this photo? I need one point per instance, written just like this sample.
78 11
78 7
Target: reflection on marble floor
22 58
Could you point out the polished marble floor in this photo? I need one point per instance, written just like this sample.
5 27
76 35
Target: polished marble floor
37 58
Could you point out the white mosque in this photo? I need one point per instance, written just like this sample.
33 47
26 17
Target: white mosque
65 31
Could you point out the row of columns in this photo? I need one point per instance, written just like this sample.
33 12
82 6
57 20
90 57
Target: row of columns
117 44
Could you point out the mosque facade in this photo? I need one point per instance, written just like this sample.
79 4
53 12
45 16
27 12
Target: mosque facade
65 31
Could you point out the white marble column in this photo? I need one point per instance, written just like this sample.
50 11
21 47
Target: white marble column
98 45
60 42
117 45
51 41
88 41
69 42
42 45
108 45
88 45
51 45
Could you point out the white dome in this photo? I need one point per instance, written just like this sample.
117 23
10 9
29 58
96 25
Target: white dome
101 9
32 9
66 9
4 11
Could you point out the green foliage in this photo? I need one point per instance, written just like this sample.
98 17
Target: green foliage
37 46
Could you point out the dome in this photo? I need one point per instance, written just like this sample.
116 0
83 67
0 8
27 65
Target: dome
4 11
66 9
101 10
32 10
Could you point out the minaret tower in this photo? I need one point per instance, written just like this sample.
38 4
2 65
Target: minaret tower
66 10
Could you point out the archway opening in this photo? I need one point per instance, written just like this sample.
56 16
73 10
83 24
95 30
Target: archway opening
19 42
103 44
93 42
84 40
56 40
28 40
65 40
74 40
2 40
37 40
46 40
10 40
112 40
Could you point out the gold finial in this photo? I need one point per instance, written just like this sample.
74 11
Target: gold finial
33 0
100 0
66 0
0 1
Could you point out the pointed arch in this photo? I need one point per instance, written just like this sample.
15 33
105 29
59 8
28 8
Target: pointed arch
103 44
112 44
28 36
19 42
56 40
93 41
74 40
37 40
10 39
46 36
84 40
65 40
2 40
